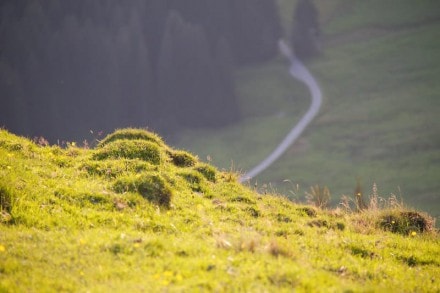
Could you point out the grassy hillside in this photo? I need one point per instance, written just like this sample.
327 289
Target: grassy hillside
379 73
135 215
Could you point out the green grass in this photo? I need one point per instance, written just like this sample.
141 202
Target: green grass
379 74
73 220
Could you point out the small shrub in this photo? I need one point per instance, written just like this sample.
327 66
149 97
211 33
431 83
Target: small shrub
182 158
130 149
131 134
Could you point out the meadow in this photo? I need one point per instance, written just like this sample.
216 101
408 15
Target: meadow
378 71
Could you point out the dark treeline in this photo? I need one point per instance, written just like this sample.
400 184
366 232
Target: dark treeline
305 32
67 67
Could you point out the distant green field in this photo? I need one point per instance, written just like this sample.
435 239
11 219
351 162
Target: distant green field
379 73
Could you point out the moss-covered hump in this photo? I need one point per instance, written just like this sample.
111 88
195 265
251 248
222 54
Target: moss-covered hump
129 162
152 187
130 149
157 183
132 134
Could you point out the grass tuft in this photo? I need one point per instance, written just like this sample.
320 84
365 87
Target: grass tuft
406 222
182 158
318 196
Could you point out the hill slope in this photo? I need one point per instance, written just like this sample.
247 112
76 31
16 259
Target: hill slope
136 215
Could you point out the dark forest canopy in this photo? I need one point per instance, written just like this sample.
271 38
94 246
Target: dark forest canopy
305 32
67 67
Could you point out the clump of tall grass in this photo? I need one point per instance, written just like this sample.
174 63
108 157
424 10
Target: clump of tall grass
359 203
318 196
389 214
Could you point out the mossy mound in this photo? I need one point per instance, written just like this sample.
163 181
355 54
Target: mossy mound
152 187
131 134
113 168
406 222
127 163
195 180
130 149
207 171
181 158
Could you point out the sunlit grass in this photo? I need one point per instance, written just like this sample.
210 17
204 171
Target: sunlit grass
72 221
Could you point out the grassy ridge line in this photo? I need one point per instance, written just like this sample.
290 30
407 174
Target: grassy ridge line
136 215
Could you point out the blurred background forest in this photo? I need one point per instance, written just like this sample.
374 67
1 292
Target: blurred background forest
68 67
207 76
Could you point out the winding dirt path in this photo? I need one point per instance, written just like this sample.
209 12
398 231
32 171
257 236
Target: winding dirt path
301 73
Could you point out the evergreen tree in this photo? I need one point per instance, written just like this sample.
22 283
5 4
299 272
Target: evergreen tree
196 88
155 15
225 106
305 29
256 30
70 66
